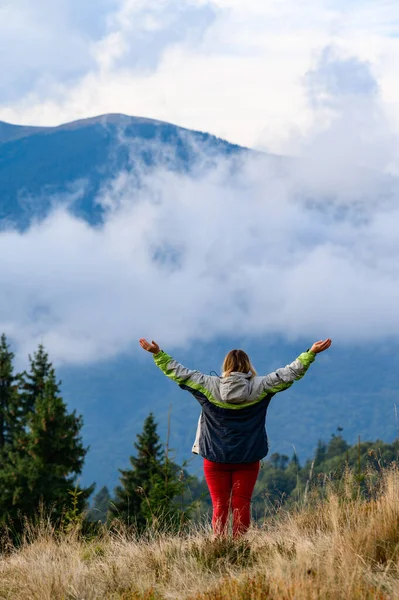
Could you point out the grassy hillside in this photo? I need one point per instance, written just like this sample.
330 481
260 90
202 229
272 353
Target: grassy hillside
336 544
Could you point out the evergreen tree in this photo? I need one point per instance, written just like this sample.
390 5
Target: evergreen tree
295 462
320 454
50 453
274 460
337 446
10 409
276 482
100 506
136 482
148 490
165 504
32 383
279 461
11 427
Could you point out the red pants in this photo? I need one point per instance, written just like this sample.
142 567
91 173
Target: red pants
231 485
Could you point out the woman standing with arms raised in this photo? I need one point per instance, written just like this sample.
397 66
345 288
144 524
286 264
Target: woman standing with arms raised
231 434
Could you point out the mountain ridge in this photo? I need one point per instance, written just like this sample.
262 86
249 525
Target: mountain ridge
115 396
12 131
39 163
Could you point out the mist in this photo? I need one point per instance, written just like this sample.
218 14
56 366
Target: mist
303 246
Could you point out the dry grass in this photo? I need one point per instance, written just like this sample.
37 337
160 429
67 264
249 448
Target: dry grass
340 547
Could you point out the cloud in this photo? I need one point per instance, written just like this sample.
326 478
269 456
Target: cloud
229 67
140 33
47 42
338 79
48 47
193 259
298 247
301 248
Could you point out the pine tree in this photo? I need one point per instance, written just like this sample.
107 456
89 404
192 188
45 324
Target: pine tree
320 454
11 424
32 383
336 446
50 455
10 410
148 490
136 482
100 506
165 506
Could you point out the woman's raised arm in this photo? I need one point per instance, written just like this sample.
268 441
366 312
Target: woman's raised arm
185 378
283 378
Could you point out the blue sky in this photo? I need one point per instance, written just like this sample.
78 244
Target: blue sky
236 68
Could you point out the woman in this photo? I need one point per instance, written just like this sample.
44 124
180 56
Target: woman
231 434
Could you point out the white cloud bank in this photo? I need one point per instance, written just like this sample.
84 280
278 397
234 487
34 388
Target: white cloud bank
308 247
301 248
229 67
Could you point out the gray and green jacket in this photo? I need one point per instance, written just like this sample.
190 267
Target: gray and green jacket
231 428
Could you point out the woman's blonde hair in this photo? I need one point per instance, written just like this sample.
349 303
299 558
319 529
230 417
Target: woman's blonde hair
237 360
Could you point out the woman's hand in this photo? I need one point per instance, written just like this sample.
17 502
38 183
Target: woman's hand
320 346
153 347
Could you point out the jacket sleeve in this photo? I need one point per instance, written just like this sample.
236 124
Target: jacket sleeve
283 378
186 378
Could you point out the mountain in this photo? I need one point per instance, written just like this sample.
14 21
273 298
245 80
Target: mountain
353 388
40 165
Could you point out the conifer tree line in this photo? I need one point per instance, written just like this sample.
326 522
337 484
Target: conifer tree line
42 454
284 481
154 491
41 449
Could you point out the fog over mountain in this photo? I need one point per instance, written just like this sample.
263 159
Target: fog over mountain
119 227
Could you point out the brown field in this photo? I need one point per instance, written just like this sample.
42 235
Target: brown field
339 546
